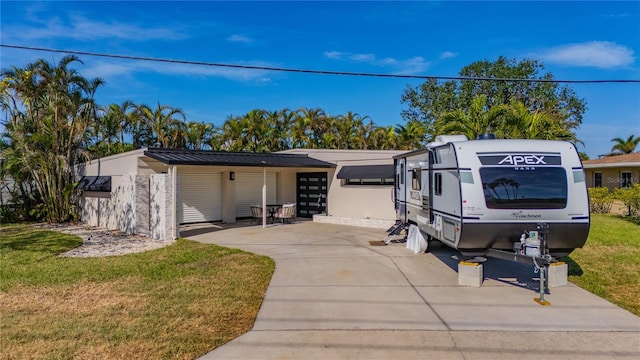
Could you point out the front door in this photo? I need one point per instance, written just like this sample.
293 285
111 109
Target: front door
311 194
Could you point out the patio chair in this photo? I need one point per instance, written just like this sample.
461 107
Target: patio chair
287 213
256 213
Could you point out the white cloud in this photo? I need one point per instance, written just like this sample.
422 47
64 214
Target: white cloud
415 65
448 55
110 70
409 66
80 28
369 58
239 38
389 61
336 55
600 54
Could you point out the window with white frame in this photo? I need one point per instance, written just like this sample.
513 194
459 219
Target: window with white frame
380 181
625 179
597 179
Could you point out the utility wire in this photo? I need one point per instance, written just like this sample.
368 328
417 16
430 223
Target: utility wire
309 71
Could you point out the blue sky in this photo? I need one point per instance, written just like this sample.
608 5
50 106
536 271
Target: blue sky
574 40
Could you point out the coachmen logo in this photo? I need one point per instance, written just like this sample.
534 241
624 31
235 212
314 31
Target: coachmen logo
517 160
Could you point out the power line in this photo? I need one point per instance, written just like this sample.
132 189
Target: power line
309 71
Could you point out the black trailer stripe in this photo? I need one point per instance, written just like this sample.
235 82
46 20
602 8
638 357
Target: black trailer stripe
446 213
444 169
516 152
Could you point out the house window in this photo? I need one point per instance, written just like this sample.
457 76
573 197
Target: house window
597 179
367 175
416 183
437 184
382 181
625 179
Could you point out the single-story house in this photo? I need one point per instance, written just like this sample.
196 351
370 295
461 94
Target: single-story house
154 191
613 171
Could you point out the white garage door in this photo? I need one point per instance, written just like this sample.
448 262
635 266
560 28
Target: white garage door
200 196
249 191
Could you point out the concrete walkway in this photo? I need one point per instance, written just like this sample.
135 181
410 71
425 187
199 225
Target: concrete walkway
334 296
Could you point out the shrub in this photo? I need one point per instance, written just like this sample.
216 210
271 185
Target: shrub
630 196
600 200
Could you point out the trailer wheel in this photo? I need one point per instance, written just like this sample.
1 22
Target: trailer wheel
429 242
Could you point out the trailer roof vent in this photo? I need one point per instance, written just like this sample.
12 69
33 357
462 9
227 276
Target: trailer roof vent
486 136
444 139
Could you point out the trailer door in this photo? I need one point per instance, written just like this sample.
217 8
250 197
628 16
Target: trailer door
400 189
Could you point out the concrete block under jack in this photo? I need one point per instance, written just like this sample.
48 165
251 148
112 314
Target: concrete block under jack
470 274
558 273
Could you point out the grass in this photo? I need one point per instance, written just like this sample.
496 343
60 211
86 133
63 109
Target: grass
176 302
609 263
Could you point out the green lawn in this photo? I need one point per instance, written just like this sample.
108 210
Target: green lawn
609 263
177 302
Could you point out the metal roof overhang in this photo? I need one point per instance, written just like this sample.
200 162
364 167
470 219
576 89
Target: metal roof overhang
366 172
221 158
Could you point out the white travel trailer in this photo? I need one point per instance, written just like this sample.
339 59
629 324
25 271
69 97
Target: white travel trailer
486 196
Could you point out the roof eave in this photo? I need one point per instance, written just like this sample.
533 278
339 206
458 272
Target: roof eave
611 165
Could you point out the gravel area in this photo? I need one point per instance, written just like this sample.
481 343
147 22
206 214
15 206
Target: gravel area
98 242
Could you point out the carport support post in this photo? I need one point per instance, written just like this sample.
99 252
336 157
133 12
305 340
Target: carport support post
264 197
174 199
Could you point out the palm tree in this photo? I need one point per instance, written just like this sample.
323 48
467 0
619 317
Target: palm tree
382 138
522 123
233 134
50 109
351 131
623 146
198 134
257 131
478 119
164 125
125 115
308 127
411 135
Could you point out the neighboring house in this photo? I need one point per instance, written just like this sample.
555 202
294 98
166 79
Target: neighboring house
613 171
153 191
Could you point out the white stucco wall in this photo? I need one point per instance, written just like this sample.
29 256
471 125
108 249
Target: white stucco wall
125 208
161 226
119 164
356 202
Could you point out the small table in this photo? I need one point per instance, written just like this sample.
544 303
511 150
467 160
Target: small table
272 209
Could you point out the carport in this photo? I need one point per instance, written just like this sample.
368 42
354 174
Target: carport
220 186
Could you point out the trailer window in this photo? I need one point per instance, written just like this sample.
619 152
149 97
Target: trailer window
536 188
437 183
416 182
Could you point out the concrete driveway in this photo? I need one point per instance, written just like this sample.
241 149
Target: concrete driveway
334 296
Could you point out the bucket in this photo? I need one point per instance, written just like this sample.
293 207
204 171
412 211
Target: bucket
532 246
